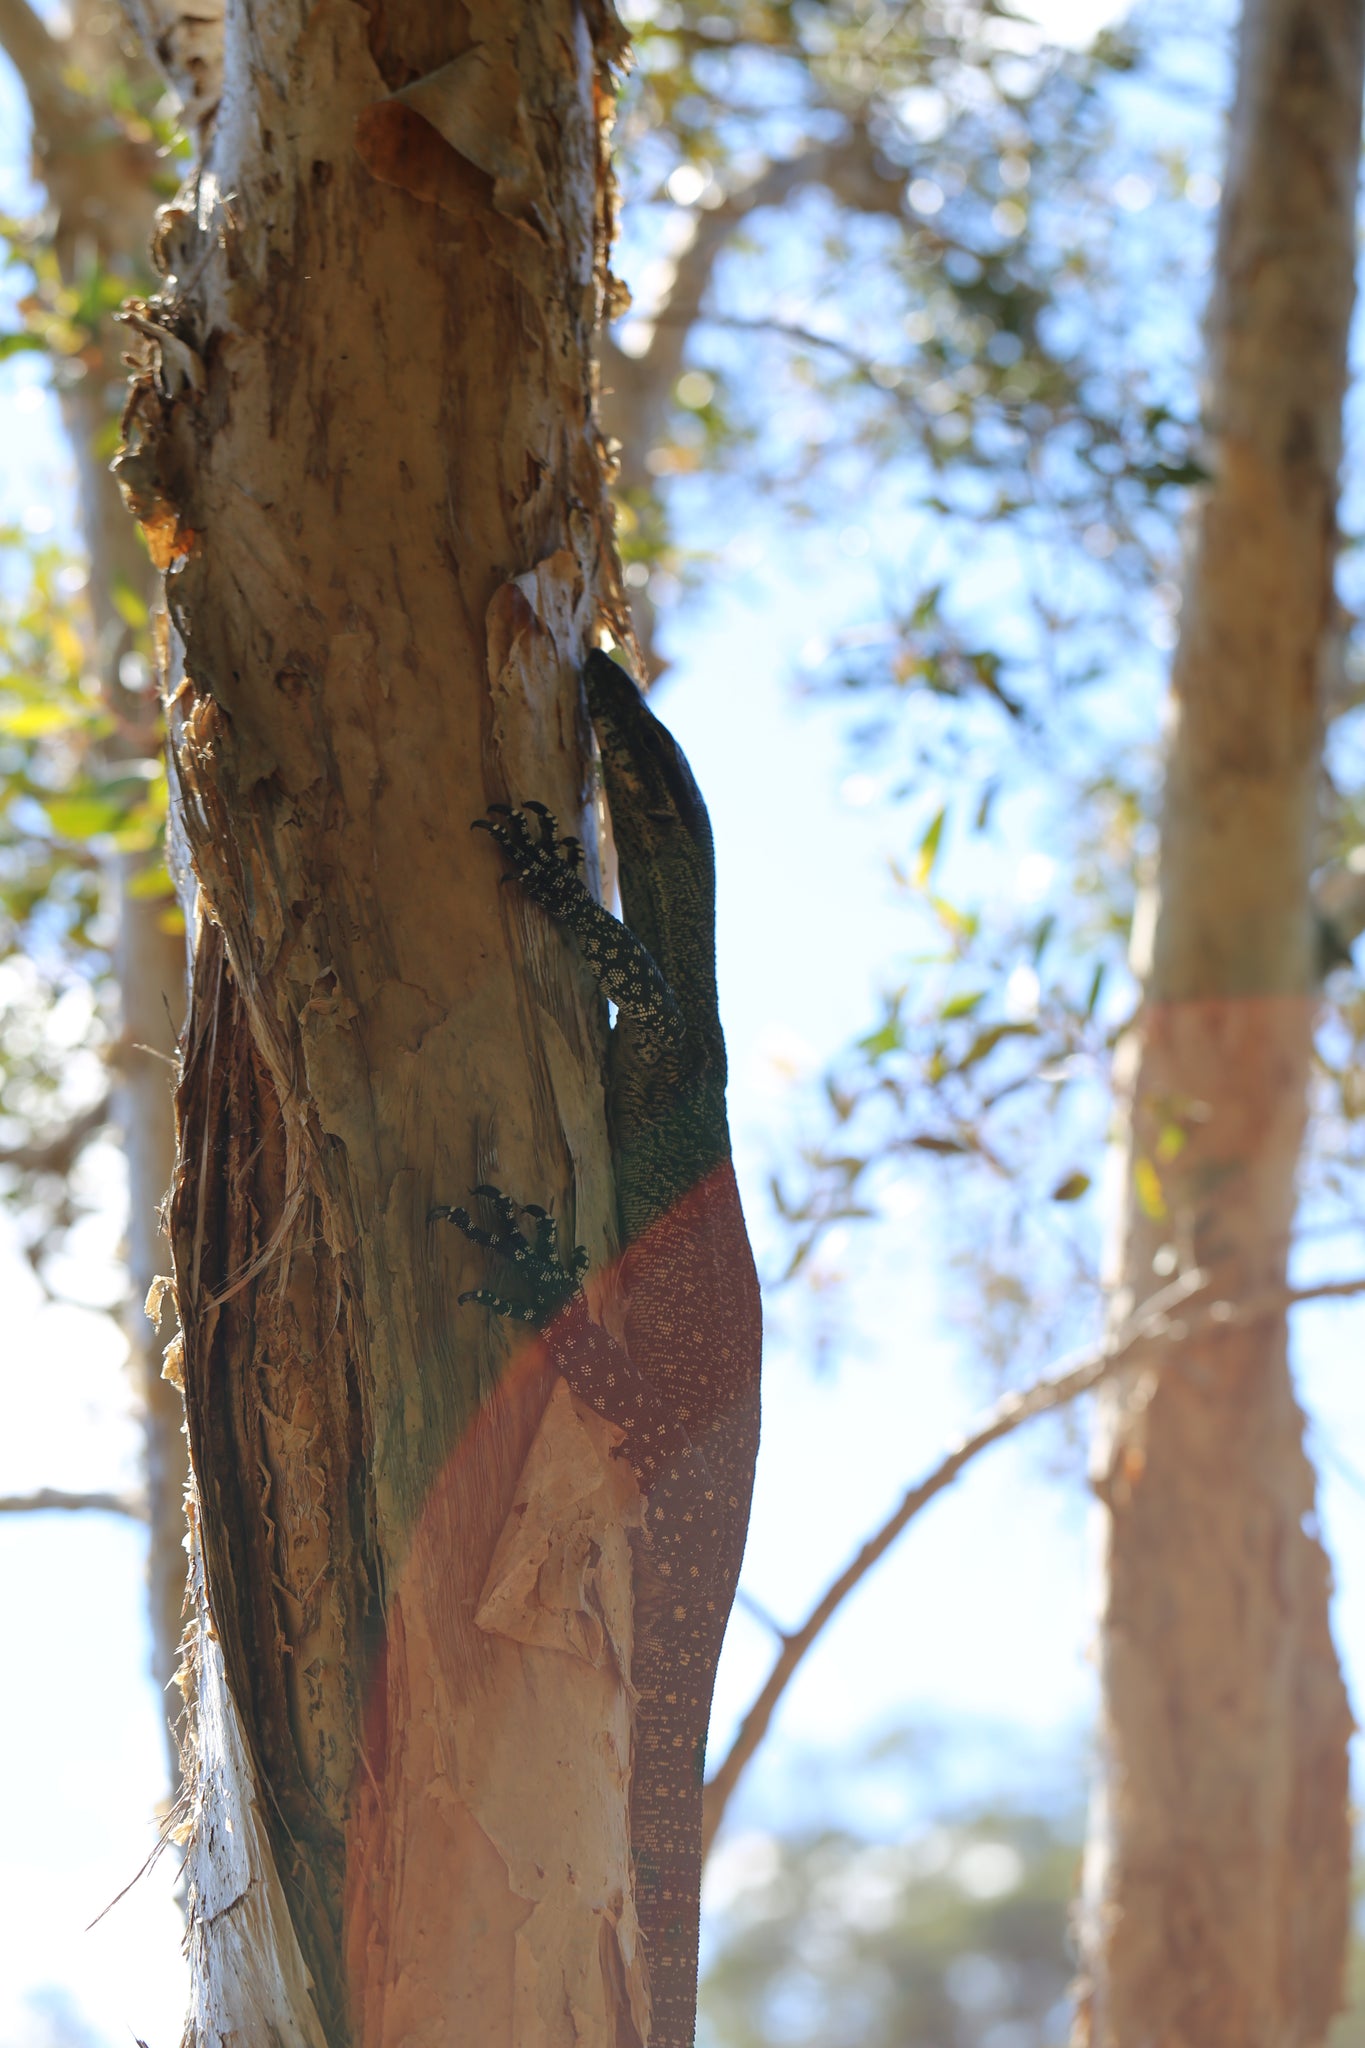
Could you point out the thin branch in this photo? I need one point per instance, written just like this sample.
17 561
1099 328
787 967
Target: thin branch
760 1614
49 1497
808 337
1155 1323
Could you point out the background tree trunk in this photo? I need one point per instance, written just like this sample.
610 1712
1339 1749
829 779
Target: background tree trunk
366 450
1218 1867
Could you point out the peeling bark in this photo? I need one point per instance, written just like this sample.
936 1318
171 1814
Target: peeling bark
364 447
1217 1885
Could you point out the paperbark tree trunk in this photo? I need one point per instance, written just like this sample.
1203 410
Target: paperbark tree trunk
1217 1874
364 447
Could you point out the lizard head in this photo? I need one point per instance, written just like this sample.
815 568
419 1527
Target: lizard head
666 861
650 787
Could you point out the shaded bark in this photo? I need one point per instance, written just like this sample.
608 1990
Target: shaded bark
1217 1873
364 446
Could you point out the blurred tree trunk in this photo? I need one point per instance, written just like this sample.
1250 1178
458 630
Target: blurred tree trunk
99 170
1217 1874
363 444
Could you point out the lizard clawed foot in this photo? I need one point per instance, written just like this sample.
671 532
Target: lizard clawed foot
545 864
550 1284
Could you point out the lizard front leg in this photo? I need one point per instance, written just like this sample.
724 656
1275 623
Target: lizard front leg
546 867
598 1370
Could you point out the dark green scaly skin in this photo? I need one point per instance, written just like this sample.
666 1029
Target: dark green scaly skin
685 1387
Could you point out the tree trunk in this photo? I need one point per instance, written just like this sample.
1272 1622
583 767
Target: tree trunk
366 452
1216 1894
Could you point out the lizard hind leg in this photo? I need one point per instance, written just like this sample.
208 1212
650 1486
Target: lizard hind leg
549 1284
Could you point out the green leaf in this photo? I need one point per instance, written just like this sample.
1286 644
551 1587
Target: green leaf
963 1005
1046 926
35 721
83 817
962 923
1072 1188
19 343
929 846
149 883
890 1038
986 1041
1096 984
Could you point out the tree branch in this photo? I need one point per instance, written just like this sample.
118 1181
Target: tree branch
1153 1324
58 1154
38 58
641 384
636 390
788 330
50 1497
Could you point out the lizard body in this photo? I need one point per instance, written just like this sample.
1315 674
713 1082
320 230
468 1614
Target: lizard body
684 1389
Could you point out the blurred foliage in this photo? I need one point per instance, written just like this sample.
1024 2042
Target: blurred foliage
955 1938
82 805
72 803
889 232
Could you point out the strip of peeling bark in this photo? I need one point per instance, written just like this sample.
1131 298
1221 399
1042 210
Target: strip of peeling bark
365 447
1217 1882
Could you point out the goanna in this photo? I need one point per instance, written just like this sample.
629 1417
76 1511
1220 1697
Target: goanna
684 1389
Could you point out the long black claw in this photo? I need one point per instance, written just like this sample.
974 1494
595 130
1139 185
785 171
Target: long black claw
498 1306
504 1204
549 824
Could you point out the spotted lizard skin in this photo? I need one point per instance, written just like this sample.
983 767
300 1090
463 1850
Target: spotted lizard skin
684 1390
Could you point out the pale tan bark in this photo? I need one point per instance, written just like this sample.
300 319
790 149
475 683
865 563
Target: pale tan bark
365 448
1217 1872
100 184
